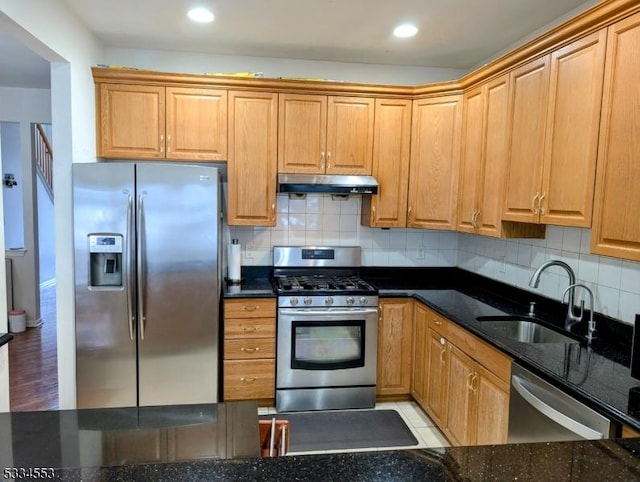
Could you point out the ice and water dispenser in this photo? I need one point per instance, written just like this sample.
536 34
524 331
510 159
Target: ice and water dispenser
105 260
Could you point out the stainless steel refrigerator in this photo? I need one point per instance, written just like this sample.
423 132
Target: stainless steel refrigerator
147 283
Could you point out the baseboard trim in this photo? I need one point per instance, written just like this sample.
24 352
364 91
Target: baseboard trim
34 323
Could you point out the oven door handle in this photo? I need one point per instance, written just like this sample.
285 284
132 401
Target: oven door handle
325 312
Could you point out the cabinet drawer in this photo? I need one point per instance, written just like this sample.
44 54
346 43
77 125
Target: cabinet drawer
250 308
250 328
249 379
491 358
438 323
248 348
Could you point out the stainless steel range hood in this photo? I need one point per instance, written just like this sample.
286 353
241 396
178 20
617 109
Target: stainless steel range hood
331 184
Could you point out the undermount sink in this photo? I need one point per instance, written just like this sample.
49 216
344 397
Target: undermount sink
523 330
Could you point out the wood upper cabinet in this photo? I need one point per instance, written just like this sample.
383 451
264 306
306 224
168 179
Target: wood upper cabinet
616 224
395 343
155 122
555 108
391 143
252 164
320 134
435 158
484 158
196 124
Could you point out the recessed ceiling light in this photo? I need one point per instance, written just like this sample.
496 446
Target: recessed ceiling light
405 30
200 15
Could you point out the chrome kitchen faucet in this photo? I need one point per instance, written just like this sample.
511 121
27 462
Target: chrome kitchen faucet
571 319
592 324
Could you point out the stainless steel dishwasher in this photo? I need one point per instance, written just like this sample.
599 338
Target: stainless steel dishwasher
540 412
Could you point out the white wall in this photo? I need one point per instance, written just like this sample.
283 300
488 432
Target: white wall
58 36
168 61
12 196
25 106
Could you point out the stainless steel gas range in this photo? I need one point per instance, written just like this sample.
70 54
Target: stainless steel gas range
327 330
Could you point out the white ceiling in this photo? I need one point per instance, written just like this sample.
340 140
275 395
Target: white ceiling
456 34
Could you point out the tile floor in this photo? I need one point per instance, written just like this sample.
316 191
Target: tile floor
421 426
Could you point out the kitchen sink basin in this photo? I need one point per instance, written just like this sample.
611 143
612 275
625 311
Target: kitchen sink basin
523 330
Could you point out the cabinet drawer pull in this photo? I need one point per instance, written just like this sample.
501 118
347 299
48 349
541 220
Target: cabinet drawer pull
248 349
250 308
534 206
248 379
470 381
442 353
541 209
437 322
249 328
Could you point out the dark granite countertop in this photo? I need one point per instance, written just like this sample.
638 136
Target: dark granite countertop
598 375
5 338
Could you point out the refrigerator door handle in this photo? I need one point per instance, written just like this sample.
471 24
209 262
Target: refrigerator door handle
140 261
128 254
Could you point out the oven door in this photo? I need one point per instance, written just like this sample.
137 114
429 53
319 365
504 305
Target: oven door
330 347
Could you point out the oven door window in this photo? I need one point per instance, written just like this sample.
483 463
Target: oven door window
327 345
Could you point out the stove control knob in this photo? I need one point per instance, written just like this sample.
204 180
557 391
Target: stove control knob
364 300
307 300
350 300
328 300
293 301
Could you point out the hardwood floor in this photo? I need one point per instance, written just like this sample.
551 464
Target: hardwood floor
33 365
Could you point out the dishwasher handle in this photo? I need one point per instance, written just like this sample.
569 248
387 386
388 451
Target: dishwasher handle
527 391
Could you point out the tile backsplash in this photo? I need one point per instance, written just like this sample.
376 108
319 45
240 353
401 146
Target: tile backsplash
322 220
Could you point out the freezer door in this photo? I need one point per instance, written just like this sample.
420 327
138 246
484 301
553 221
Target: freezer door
105 338
177 210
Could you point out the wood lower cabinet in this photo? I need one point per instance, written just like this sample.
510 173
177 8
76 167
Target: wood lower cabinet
437 379
320 134
435 159
555 118
616 225
391 142
157 122
465 383
249 349
252 164
395 343
420 368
